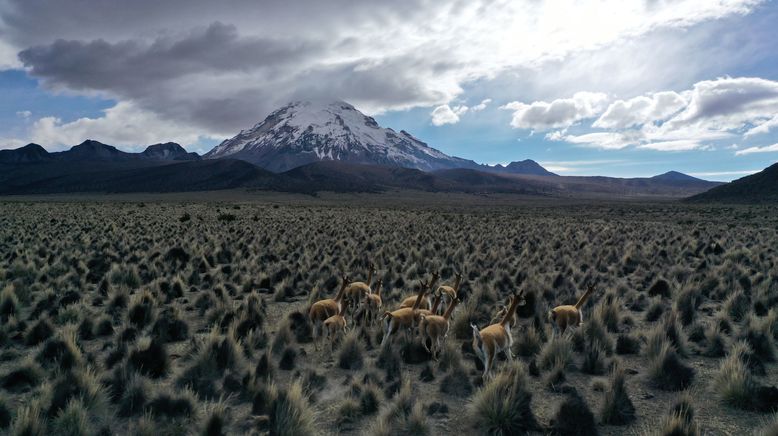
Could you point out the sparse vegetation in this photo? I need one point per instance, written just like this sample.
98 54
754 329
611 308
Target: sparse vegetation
193 318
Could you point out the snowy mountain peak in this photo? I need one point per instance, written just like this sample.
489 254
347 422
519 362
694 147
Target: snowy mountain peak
309 131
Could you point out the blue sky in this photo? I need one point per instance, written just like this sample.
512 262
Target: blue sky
642 89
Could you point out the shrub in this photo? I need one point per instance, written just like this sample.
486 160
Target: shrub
350 353
627 344
529 342
61 352
668 371
558 349
617 408
286 362
402 416
134 397
574 418
594 361
9 303
208 360
28 421
680 421
72 420
169 327
733 382
149 358
502 406
172 406
389 361
142 310
289 412
81 384
39 332
27 375
216 420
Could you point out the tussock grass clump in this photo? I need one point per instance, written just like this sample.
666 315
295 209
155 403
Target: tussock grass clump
9 303
61 352
281 339
715 343
289 412
758 334
20 379
348 412
617 408
149 358
667 370
141 311
558 349
595 361
680 420
216 419
574 418
655 311
403 415
456 381
686 304
529 342
39 332
737 305
28 421
104 327
627 344
81 384
503 405
736 386
389 361
73 420
179 405
135 396
351 352
555 378
287 360
170 327
209 359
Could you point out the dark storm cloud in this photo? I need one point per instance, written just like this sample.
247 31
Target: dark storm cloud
127 66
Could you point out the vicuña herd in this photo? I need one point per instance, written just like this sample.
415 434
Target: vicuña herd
429 316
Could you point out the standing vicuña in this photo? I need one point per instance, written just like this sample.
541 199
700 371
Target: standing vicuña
425 304
403 317
356 291
496 337
435 328
372 304
323 309
566 316
449 293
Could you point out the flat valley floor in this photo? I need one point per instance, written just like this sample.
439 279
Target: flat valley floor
187 314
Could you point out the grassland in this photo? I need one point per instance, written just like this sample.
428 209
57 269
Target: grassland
187 315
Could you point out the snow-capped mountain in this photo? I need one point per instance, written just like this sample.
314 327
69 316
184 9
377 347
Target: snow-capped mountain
308 131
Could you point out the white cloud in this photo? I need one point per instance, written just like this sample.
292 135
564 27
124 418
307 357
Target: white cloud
563 112
764 127
603 140
167 57
752 150
11 143
677 145
444 115
637 111
23 114
481 106
122 125
724 173
713 110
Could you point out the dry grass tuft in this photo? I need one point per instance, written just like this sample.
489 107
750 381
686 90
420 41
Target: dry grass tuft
503 405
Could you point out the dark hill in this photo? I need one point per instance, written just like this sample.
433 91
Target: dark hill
27 154
761 187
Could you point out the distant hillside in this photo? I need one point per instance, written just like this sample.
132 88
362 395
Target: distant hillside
761 187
